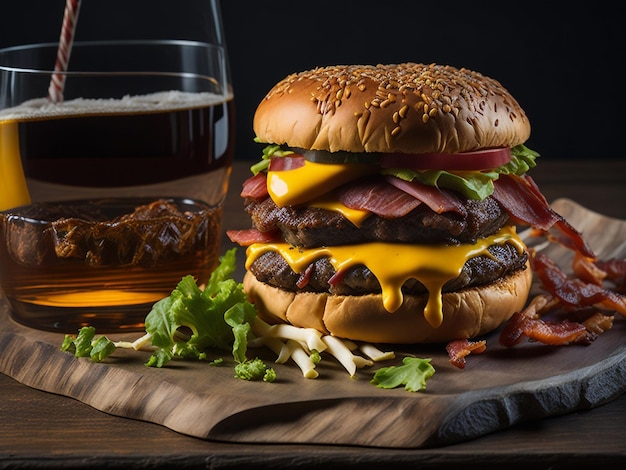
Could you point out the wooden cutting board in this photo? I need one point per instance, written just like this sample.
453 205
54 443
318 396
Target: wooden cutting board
498 388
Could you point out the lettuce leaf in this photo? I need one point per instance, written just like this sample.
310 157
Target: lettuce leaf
413 374
471 184
188 324
219 317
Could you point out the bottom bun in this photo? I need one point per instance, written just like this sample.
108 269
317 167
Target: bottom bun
466 314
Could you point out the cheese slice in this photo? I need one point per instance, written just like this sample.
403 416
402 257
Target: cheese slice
312 180
356 216
394 263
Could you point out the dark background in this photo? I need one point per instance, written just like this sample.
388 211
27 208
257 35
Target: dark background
565 65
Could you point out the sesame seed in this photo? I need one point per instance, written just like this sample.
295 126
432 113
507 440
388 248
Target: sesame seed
396 130
427 88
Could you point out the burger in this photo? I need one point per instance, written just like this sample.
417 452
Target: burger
386 204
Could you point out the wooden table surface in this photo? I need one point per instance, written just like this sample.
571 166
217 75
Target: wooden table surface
43 430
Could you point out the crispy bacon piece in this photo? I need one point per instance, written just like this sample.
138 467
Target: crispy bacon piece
525 204
572 294
337 278
615 270
520 326
571 238
575 293
305 276
247 237
377 196
595 325
552 333
255 187
459 348
437 199
587 271
521 198
513 331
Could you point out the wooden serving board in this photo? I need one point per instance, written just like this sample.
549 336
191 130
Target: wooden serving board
498 388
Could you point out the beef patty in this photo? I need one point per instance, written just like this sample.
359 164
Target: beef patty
272 269
311 227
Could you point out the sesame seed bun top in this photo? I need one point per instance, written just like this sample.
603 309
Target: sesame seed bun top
405 108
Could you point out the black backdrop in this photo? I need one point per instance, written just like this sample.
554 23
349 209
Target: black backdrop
565 64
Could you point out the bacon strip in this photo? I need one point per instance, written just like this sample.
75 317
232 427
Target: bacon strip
513 332
595 326
587 271
575 293
615 270
255 187
247 237
554 334
437 199
522 203
337 278
525 204
377 196
459 348
305 276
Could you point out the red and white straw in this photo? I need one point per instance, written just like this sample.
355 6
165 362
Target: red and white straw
57 82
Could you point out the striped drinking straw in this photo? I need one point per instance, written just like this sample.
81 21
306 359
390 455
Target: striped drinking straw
57 82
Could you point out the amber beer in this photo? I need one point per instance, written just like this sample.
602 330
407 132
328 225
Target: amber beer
157 147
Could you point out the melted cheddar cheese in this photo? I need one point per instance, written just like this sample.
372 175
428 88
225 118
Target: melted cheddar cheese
312 180
394 263
356 216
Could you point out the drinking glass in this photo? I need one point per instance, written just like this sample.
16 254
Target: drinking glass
114 193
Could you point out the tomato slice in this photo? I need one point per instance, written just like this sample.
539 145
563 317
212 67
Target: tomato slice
465 161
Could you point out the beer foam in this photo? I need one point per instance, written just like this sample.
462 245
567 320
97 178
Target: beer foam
43 108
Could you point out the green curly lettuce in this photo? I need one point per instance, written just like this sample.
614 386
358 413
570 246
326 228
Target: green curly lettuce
218 317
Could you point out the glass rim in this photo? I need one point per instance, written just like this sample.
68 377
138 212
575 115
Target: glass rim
99 43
